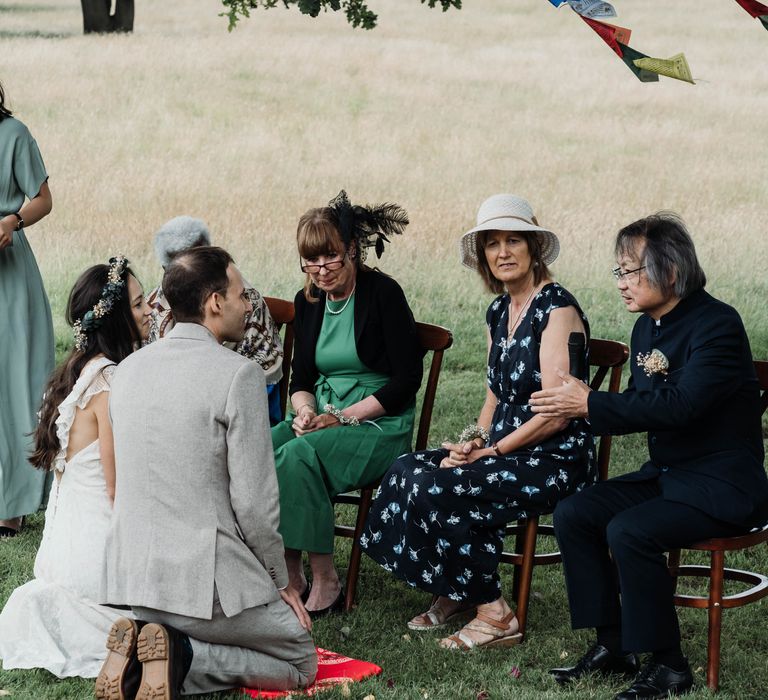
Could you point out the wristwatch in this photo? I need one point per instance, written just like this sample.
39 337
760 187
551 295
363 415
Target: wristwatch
20 222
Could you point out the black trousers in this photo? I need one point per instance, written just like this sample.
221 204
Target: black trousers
634 589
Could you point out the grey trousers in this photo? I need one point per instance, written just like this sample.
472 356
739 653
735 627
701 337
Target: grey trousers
263 647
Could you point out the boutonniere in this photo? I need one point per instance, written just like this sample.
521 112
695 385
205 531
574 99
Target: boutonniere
653 362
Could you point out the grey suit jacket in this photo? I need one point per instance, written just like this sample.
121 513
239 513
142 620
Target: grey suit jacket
196 502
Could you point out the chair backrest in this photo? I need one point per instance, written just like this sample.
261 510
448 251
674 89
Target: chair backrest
437 340
606 356
761 367
283 313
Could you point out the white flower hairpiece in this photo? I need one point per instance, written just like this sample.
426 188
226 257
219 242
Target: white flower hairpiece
111 292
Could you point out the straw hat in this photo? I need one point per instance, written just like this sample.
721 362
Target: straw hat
506 212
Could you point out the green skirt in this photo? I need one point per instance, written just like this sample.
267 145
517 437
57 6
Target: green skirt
314 468
26 349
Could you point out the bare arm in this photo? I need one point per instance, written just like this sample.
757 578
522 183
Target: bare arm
100 406
34 210
553 354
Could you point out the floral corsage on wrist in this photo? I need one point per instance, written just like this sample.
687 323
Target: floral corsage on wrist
653 362
472 432
330 409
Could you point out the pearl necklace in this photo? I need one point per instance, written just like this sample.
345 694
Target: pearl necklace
511 328
341 310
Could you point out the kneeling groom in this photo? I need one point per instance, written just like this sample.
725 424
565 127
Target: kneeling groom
193 546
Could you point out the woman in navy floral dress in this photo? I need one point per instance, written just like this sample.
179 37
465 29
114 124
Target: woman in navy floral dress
438 520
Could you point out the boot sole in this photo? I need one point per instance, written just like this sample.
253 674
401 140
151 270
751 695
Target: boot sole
153 648
121 644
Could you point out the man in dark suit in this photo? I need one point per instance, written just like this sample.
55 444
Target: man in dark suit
693 388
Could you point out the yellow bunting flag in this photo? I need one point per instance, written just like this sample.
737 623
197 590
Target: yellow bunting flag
675 67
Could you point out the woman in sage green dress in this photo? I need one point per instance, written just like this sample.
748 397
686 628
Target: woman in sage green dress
26 330
357 366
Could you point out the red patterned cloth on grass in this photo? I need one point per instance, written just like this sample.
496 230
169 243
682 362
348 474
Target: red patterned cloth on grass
332 669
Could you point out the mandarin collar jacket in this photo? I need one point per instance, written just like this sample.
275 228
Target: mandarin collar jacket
703 417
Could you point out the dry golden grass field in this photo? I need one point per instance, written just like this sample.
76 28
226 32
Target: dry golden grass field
434 111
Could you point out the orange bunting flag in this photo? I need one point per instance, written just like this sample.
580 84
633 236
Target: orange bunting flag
610 34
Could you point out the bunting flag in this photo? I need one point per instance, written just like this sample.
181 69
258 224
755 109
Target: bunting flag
592 8
557 3
756 9
610 34
675 67
629 56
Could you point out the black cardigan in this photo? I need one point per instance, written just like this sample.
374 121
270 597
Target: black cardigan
385 338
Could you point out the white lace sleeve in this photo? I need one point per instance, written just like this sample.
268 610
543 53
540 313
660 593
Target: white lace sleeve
102 381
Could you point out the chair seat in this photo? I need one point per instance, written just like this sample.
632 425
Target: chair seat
727 544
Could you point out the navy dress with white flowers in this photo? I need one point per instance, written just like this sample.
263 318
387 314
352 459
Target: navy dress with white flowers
442 530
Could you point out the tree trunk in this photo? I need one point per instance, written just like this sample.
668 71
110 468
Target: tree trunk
97 17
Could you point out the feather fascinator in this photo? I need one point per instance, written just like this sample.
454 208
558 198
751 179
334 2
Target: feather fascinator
370 226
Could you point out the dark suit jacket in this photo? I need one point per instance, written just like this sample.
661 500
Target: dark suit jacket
703 417
385 337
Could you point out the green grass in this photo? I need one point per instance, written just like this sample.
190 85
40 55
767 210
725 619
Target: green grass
413 664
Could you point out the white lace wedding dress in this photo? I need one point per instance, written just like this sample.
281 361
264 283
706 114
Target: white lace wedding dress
53 621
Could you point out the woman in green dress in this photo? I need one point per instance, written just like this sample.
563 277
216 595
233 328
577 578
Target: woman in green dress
357 366
26 330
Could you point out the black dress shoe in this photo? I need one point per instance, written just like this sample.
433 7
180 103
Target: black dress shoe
336 606
658 681
598 659
165 655
120 673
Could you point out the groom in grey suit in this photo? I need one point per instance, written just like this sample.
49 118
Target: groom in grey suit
193 546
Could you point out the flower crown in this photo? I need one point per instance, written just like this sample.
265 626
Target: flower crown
111 293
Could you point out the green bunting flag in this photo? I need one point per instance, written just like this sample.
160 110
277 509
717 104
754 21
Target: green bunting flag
629 56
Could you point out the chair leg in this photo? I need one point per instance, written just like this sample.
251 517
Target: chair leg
673 564
366 496
526 572
715 611
519 549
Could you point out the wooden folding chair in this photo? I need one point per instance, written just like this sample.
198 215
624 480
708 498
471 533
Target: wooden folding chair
606 356
283 313
717 574
434 339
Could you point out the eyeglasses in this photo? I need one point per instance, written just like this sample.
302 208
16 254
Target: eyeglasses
619 274
329 266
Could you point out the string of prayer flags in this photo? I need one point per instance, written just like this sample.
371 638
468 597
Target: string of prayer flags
756 9
675 67
610 33
557 3
593 9
629 56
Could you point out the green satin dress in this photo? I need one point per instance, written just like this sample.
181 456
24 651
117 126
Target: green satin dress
313 468
26 330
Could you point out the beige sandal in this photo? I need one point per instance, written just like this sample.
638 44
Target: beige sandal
435 618
499 629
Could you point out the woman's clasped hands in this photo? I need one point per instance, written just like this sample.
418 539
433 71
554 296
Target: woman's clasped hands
461 453
308 421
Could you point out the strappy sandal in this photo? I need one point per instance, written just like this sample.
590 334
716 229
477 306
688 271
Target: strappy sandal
498 629
435 618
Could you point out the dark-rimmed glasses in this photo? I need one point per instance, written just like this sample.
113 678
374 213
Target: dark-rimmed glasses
330 266
619 274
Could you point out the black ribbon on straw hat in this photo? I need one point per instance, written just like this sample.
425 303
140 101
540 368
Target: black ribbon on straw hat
369 226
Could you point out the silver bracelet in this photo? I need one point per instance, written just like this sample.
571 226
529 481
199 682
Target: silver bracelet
474 431
330 409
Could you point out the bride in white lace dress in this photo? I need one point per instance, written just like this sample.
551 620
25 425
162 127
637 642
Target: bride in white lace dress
54 621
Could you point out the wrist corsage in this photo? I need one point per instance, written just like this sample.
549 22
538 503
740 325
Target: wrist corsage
330 409
474 431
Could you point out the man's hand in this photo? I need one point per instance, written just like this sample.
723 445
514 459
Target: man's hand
566 401
290 596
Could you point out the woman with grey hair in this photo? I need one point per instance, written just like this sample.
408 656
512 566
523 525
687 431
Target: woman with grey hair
694 390
262 340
